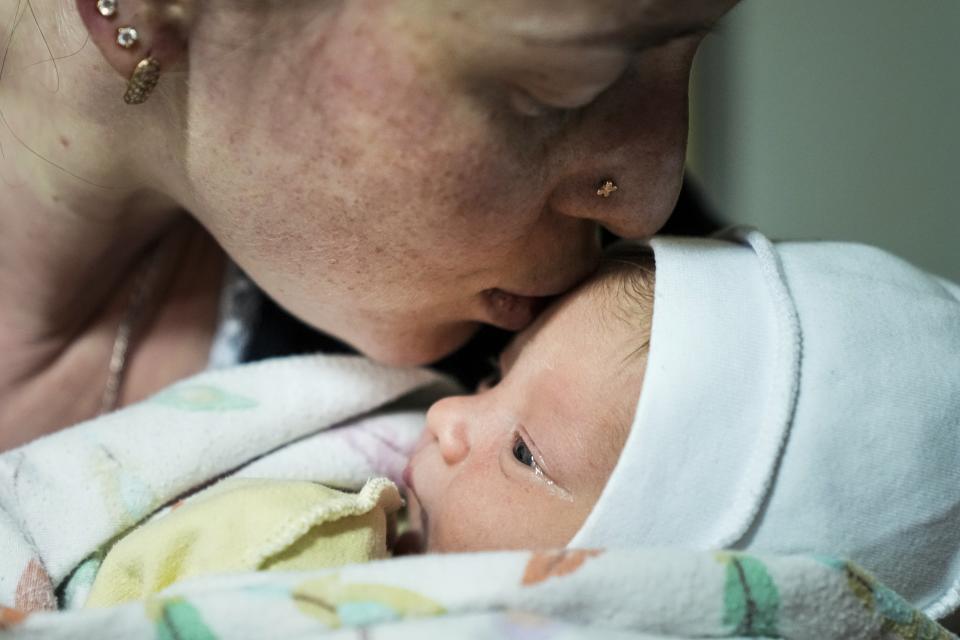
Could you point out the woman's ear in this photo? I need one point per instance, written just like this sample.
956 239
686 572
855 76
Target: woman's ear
140 39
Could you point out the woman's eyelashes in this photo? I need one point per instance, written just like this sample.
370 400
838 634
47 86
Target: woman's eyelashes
525 104
568 88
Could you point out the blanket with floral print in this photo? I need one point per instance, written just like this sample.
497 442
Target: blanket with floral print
522 595
339 420
65 498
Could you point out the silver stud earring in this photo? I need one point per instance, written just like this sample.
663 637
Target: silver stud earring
107 8
127 37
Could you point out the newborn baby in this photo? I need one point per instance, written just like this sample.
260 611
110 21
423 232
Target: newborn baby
796 398
522 462
800 398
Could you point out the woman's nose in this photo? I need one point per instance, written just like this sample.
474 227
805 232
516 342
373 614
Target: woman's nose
446 419
627 204
622 166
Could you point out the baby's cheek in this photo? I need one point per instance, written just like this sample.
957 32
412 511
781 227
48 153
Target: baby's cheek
482 521
446 537
467 517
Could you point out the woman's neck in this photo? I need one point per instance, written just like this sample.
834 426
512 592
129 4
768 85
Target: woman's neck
66 287
82 199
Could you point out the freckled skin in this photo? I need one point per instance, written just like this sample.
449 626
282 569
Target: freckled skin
376 165
377 176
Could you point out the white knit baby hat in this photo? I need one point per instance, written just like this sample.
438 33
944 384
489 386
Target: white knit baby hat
799 398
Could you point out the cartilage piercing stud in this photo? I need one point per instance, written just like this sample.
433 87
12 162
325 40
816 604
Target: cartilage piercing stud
107 8
127 37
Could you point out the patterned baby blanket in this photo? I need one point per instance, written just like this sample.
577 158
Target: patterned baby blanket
65 497
564 594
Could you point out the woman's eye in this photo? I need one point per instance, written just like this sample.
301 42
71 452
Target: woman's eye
526 105
522 453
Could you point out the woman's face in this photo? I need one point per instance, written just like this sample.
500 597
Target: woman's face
391 171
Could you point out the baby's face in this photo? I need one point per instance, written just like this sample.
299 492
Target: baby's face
521 463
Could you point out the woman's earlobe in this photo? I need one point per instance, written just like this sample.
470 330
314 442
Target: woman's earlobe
138 38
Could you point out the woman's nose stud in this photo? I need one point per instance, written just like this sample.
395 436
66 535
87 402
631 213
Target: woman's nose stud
606 188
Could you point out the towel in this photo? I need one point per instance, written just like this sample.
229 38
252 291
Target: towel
249 525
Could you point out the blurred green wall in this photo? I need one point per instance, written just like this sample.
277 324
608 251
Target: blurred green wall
835 119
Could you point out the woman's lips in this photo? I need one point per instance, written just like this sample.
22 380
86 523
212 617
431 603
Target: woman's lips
511 311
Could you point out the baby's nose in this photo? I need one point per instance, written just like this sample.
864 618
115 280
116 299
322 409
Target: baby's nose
445 421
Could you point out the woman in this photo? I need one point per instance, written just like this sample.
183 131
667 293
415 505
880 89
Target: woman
392 173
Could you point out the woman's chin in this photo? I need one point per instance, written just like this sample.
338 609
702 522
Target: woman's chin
409 349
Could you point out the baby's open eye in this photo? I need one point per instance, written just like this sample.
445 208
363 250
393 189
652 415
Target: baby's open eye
522 453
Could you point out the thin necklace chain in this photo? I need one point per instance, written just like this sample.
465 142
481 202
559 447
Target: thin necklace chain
144 289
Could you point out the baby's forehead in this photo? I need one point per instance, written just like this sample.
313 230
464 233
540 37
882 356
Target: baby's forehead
579 370
615 305
620 290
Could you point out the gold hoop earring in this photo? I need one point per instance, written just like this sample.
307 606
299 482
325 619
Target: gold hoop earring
606 188
143 81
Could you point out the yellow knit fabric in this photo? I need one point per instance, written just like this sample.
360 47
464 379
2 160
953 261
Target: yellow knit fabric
247 525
